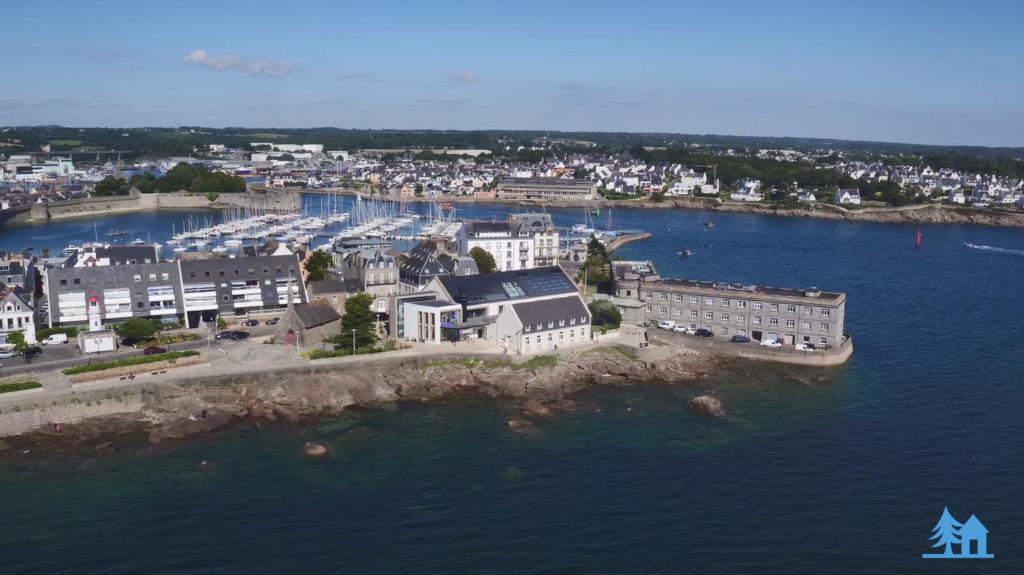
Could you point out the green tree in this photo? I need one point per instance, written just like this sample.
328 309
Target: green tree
110 186
605 314
177 178
17 339
359 317
597 267
581 173
484 260
317 264
135 329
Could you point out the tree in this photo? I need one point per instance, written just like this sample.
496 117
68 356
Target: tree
484 260
17 339
359 317
581 173
317 264
135 329
110 186
605 314
597 265
596 249
946 531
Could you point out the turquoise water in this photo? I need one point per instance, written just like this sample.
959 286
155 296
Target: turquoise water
838 471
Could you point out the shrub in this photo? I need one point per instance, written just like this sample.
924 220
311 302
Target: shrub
19 386
71 332
129 361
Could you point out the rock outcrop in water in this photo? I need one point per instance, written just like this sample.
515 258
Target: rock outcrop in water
705 405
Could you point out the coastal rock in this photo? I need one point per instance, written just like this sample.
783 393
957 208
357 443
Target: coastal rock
181 427
536 409
519 425
705 405
314 450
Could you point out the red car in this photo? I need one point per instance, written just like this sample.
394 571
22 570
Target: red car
153 350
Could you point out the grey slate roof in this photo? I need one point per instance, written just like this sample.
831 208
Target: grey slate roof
325 286
552 311
315 314
510 285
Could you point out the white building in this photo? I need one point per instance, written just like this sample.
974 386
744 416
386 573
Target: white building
847 197
509 243
16 315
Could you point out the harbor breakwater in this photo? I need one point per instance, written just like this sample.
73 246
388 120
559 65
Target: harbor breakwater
278 201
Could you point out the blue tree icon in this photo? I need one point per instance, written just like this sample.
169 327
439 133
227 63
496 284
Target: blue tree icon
945 533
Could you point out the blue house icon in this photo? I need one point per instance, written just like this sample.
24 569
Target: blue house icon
974 539
971 537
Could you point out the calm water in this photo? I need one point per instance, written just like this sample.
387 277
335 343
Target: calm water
842 471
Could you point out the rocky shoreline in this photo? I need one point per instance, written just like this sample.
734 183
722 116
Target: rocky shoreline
176 410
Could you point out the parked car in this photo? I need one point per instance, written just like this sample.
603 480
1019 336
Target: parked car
771 343
153 350
703 333
685 329
274 321
55 339
33 351
805 347
739 339
232 335
240 336
7 353
225 335
666 324
251 322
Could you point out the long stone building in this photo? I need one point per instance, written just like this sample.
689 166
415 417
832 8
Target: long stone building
546 189
761 313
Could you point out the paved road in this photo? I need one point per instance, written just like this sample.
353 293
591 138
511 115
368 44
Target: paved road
67 355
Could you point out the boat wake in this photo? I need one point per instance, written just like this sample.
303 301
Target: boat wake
1007 251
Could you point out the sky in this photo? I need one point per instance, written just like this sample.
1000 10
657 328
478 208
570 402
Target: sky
929 72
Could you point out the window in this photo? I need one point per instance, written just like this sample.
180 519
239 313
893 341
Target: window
775 307
826 312
823 327
221 273
648 295
790 323
663 296
741 319
709 315
725 303
741 332
63 282
561 323
78 281
526 340
137 278
206 273
694 299
647 308
757 320
139 305
773 321
663 310
551 324
165 276
805 325
677 312
790 309
741 304
808 310
709 301
823 340
540 326
758 305
152 277
725 317
677 298
693 313
191 274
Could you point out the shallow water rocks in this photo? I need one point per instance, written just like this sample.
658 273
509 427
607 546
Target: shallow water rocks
314 450
519 425
705 405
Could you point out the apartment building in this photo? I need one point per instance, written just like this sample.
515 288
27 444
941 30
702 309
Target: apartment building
373 271
150 290
542 229
546 189
762 313
16 315
239 286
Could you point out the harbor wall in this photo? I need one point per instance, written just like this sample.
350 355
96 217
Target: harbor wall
281 201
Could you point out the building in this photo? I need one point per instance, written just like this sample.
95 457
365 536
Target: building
847 197
114 256
239 286
762 313
307 323
545 236
332 292
12 271
546 189
482 307
509 243
427 260
119 292
16 315
373 271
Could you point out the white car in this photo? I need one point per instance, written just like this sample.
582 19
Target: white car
771 343
684 329
7 353
805 347
666 324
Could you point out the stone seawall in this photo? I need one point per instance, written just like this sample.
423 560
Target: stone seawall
277 201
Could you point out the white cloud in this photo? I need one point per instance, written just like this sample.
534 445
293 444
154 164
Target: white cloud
462 76
271 68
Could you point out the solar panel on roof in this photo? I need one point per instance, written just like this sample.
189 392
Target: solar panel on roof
513 289
548 285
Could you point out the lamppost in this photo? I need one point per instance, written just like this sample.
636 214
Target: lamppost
353 341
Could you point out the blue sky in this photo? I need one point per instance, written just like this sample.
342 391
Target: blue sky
911 71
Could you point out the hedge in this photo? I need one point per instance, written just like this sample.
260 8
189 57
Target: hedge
129 361
19 386
71 332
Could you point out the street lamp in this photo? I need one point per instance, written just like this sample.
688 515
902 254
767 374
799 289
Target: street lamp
353 341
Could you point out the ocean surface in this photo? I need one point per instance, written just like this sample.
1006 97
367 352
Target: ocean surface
834 471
